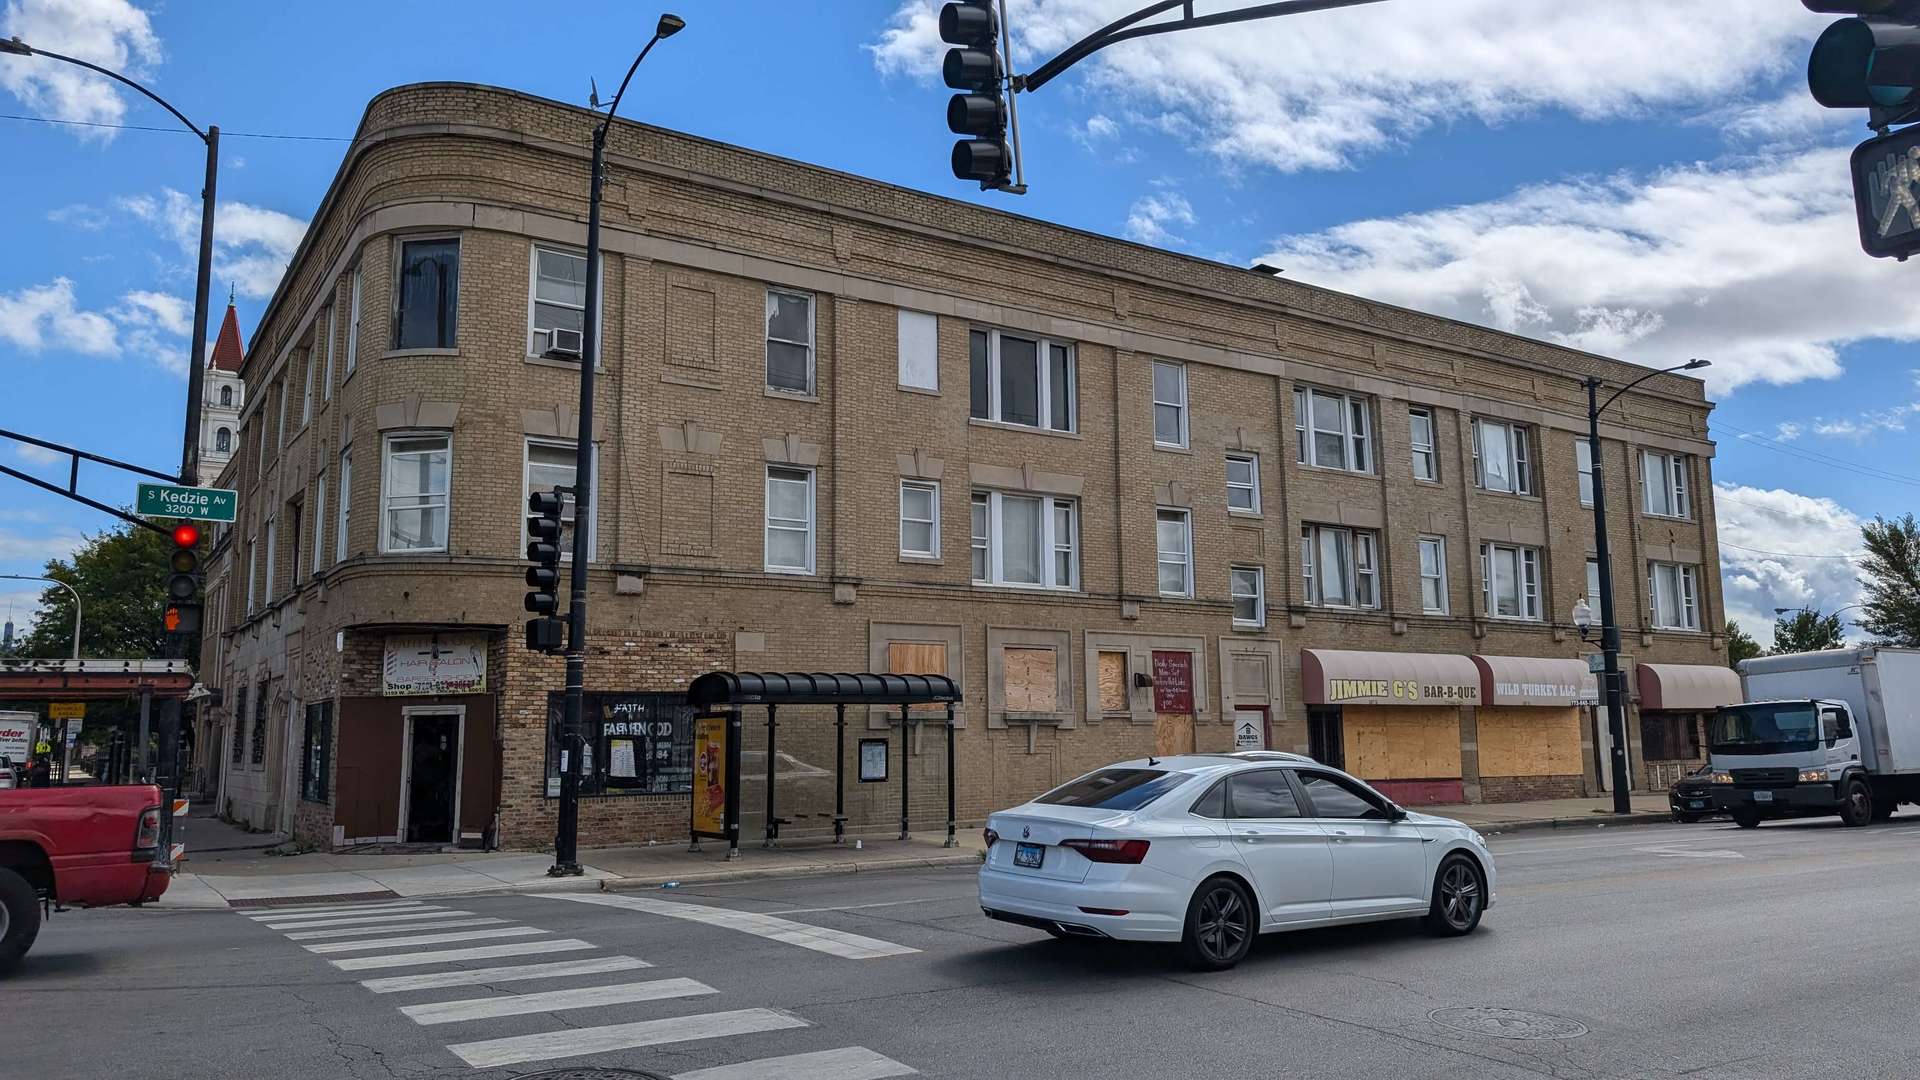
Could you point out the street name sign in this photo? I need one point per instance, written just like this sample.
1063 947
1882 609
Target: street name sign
1886 193
191 503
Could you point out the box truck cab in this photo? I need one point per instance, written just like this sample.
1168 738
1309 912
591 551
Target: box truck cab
1834 732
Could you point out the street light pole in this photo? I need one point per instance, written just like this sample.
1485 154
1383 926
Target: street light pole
76 603
566 840
1612 694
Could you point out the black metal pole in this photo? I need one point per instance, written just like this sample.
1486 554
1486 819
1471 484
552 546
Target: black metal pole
839 772
906 760
772 823
735 731
1609 626
196 358
952 841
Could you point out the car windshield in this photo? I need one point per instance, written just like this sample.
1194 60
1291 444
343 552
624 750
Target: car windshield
1115 789
1765 729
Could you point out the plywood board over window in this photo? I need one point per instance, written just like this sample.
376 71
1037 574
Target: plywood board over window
1032 680
919 658
1399 742
1529 742
1113 682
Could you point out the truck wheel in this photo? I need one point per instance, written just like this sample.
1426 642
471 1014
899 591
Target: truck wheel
19 918
1746 819
1856 804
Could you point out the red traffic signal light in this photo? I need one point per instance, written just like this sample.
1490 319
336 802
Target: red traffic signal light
186 535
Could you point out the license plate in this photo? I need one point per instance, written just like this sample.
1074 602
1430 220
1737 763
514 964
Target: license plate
1763 796
1695 804
1029 855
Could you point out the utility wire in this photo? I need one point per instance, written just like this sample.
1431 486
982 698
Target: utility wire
173 130
1793 554
1754 438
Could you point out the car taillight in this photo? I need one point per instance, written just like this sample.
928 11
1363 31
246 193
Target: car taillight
990 837
1109 851
148 835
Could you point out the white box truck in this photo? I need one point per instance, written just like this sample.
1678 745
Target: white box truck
1834 732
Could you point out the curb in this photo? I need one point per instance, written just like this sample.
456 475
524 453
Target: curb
1638 817
637 884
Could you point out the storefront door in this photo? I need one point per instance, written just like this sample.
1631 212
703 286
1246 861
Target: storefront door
433 777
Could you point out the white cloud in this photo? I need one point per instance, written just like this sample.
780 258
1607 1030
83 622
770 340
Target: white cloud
1752 263
79 216
48 316
37 455
112 33
1754 520
251 244
166 311
1150 216
1317 91
1788 430
39 547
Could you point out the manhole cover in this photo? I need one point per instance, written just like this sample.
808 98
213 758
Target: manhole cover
1507 1023
592 1074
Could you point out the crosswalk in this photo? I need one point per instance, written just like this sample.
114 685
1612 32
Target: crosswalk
404 935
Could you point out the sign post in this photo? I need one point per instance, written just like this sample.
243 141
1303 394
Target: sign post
181 502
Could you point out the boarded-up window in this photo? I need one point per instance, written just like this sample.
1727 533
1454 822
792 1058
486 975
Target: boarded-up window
918 658
1032 680
1113 682
919 350
1173 682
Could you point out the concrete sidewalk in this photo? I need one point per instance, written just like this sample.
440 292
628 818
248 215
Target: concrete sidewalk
1554 813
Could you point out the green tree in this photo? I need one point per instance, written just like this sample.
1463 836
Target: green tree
1740 645
1891 574
1807 630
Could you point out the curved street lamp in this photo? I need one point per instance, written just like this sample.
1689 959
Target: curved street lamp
69 588
1611 692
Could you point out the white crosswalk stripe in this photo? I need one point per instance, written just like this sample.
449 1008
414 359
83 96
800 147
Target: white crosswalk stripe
366 920
578 1042
846 1063
581 997
394 984
445 956
819 939
360 931
427 939
286 912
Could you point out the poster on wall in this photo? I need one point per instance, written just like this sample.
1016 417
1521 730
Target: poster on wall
710 776
1173 682
419 664
632 744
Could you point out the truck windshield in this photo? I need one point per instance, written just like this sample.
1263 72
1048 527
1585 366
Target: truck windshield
1765 729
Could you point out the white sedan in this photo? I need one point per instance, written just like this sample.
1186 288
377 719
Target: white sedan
1211 849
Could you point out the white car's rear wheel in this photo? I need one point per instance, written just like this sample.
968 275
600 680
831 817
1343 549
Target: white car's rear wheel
1221 924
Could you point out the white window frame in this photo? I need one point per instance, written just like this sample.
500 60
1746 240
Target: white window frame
1526 566
1180 406
333 315
813 314
386 509
767 519
1236 575
1519 453
593 500
345 506
533 299
281 437
1684 578
306 393
1043 373
1356 430
353 322
1665 474
932 490
1164 558
253 573
266 585
1052 545
1593 584
1251 487
1428 451
1363 565
319 521
1438 545
1583 468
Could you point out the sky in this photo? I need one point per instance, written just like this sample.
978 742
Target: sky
1642 178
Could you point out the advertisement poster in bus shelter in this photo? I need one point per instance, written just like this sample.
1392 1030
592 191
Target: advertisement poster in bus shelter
710 776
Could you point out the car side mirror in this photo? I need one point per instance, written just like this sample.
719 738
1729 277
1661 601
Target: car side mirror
1396 812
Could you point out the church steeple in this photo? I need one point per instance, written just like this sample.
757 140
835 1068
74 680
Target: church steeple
228 354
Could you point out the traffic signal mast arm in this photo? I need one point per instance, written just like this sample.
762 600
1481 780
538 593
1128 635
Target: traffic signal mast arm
72 491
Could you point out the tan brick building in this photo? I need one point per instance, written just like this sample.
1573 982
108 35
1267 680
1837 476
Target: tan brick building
1129 500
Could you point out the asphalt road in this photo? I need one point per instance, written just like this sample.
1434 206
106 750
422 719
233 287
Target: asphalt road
1661 951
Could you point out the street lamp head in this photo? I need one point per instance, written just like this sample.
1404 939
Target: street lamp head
669 25
1695 365
16 46
1582 615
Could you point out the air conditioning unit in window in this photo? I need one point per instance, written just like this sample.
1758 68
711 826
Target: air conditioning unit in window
563 342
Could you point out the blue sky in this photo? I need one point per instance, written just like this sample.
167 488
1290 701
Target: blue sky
1643 178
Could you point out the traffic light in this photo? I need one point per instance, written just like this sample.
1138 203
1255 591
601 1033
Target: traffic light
544 630
182 614
1870 61
980 109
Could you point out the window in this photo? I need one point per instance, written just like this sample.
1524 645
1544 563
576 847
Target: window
1583 460
1115 689
919 518
280 439
1243 483
319 522
1030 680
919 350
1332 797
1014 534
326 386
346 503
1265 793
266 589
1500 458
1593 586
316 752
414 493
253 572
1670 738
1169 404
789 545
1249 595
259 754
294 536
1332 431
558 302
222 441
1426 462
1175 532
1433 575
1115 789
306 395
1010 386
426 301
550 465
239 727
1676 604
1510 581
1340 567
1663 479
1213 804
353 321
226 396
789 342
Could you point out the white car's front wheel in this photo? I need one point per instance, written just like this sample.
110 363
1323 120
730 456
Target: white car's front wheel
1221 924
1459 897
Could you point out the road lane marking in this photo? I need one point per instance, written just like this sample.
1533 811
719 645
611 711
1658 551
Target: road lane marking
1682 853
265 914
581 997
444 956
578 1042
394 984
364 920
1502 852
846 1063
884 903
352 931
819 939
427 939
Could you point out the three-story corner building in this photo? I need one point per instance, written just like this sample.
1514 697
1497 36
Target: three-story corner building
1129 500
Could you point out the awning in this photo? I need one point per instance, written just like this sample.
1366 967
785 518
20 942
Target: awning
1535 681
1686 687
818 688
1345 677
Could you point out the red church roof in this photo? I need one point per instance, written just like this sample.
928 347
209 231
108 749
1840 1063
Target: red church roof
227 351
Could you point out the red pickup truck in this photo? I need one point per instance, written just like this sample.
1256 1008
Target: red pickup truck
78 847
